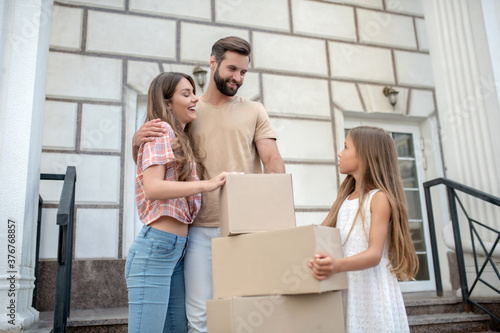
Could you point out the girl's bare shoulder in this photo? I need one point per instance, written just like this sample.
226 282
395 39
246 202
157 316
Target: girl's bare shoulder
380 202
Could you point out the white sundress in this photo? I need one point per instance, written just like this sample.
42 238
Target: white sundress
373 301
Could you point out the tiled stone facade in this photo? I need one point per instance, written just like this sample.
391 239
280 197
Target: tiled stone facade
311 61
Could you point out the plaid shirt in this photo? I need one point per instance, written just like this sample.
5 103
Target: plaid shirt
159 152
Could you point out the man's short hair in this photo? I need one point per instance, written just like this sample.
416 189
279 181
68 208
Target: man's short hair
231 43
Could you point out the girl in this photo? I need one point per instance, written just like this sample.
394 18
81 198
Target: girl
370 211
168 198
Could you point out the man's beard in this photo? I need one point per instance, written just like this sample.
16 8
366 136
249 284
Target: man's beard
222 86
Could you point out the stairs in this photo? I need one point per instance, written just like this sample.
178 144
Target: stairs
426 314
112 320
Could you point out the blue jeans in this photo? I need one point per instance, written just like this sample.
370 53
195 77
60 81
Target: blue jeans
198 276
155 280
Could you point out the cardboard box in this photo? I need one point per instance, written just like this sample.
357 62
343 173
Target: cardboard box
274 262
319 313
256 202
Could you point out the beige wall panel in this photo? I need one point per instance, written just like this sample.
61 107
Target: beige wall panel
313 185
323 20
304 139
363 3
66 28
412 7
254 13
422 103
198 9
356 62
96 233
98 177
414 69
131 35
59 125
346 96
422 35
288 95
289 54
386 29
140 74
49 234
84 77
101 128
114 4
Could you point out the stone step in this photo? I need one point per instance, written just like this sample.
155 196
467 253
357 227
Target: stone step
426 313
418 304
98 320
113 320
449 323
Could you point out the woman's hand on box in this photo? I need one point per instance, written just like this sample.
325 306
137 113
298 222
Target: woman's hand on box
215 182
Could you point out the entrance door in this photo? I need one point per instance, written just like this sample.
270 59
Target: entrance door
407 139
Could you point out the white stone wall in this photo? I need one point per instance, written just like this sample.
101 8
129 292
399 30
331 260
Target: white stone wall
311 61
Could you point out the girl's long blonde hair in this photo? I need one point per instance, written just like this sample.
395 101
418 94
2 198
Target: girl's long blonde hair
379 167
161 91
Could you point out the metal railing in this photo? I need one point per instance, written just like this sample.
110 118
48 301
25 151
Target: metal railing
451 189
37 250
65 221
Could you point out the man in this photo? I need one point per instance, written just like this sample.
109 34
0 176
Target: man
230 134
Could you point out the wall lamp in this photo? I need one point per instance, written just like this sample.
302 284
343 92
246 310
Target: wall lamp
200 76
391 94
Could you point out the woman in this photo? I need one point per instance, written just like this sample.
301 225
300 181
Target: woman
168 198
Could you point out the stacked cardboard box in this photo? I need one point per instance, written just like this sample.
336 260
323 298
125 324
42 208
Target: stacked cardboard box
261 279
252 203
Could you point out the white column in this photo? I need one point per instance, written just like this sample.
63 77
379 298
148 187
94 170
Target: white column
467 96
465 88
491 12
465 61
24 43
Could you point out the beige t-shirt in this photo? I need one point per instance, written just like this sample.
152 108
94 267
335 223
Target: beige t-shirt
225 137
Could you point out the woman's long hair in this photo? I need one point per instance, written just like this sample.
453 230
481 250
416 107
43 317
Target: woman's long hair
161 91
378 162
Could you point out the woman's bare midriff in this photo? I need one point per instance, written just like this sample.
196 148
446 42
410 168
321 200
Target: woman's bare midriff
170 225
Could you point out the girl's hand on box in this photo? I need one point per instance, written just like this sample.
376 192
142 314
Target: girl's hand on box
322 265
